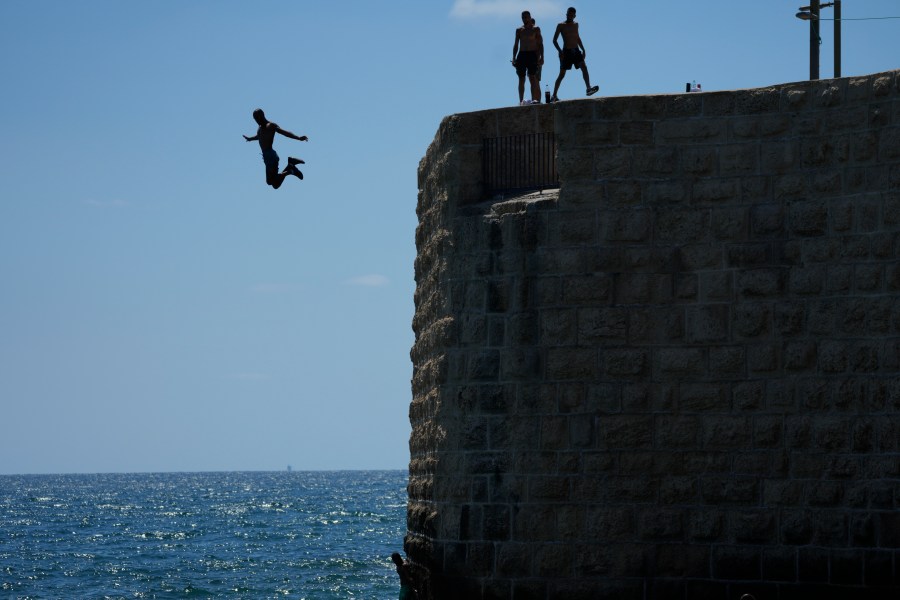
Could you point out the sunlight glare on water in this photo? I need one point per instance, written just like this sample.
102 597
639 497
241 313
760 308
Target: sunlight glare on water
315 535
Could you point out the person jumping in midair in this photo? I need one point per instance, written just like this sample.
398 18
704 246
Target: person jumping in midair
571 54
266 136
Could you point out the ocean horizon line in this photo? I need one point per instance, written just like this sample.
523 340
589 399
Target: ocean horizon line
204 472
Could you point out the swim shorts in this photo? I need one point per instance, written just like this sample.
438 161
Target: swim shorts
527 62
407 592
570 57
270 157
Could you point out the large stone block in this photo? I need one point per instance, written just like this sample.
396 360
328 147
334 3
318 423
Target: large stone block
707 323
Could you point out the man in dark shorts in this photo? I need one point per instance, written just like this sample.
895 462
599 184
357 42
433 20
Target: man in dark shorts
528 58
572 54
266 136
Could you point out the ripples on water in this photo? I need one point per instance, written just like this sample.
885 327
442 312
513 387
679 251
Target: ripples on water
312 535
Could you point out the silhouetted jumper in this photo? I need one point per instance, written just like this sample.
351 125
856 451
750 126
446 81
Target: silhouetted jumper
266 136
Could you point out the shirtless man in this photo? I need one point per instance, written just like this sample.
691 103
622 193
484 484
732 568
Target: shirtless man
528 58
266 136
571 54
407 591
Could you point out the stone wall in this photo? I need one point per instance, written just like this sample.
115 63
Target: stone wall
679 376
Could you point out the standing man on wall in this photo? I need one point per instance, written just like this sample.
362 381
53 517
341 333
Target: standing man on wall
528 58
571 54
266 136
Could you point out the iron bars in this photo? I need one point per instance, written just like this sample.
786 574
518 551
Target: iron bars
519 163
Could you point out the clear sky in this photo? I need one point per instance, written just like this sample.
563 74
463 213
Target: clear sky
162 309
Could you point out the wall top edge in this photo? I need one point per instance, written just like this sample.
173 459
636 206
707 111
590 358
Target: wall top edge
793 84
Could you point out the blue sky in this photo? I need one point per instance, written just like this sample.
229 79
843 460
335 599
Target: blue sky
162 309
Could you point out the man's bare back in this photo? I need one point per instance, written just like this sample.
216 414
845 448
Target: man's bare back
266 134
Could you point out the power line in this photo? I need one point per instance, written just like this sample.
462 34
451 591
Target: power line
860 19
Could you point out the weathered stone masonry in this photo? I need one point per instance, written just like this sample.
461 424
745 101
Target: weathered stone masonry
679 377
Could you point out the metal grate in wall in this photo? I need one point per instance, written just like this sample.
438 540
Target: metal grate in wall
519 163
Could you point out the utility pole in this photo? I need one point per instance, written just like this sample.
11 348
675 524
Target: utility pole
811 13
814 40
837 38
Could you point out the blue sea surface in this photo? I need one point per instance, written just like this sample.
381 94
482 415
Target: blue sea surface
310 535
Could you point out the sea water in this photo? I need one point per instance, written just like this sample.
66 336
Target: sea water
312 535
